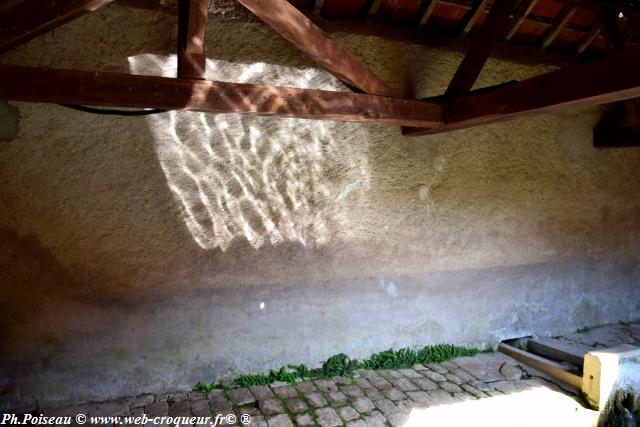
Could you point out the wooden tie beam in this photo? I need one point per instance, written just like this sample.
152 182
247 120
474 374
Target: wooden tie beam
427 9
576 86
33 84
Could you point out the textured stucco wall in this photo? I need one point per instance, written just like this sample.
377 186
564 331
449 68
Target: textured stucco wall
149 253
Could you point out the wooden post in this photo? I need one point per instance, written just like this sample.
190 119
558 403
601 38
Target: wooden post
192 24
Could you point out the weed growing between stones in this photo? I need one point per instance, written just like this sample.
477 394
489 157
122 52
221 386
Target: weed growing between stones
343 365
623 410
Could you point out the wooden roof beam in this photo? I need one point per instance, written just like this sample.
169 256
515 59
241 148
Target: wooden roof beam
470 18
294 26
525 8
576 86
31 18
481 46
33 84
562 19
192 24
426 11
588 38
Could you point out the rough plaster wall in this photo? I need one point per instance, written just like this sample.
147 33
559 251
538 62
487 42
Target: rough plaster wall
151 253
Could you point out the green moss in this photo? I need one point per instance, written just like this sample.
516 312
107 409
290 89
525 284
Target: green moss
622 410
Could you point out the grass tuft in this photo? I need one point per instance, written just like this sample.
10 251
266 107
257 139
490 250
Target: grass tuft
343 365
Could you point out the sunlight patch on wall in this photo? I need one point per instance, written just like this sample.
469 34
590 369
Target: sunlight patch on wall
266 180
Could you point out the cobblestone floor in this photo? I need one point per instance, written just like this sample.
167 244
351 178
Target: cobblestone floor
370 398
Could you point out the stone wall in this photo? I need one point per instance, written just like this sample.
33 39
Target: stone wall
150 253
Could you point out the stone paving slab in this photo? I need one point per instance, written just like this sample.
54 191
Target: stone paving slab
606 336
371 398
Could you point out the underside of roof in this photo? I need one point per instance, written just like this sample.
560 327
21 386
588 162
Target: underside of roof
537 20
571 27
603 34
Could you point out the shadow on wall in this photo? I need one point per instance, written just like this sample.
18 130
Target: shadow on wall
267 180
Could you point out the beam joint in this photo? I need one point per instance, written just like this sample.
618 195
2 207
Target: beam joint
295 27
581 85
192 24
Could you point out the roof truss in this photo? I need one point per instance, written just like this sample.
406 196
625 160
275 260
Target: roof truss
577 86
609 133
192 23
294 26
31 18
580 85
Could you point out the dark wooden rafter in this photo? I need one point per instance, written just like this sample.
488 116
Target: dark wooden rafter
104 89
31 18
587 39
565 15
608 18
294 26
481 46
472 15
580 85
575 86
524 9
426 11
192 24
